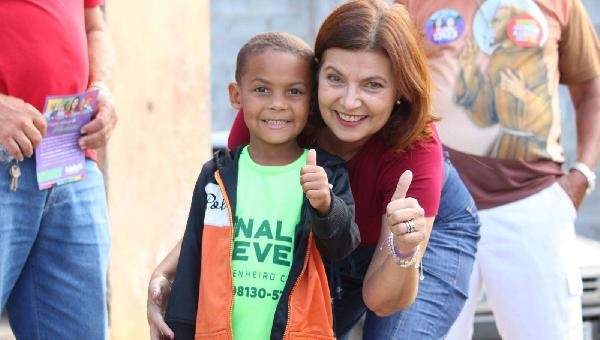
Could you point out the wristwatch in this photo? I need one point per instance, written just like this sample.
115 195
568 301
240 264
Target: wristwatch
588 173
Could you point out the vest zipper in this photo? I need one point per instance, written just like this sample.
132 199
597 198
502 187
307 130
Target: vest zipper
304 265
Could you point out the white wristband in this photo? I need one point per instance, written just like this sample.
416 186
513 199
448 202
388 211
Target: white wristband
588 173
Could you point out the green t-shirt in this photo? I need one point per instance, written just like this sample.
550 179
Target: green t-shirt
269 202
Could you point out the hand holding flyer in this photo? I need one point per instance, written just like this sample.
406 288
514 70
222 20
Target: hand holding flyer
59 159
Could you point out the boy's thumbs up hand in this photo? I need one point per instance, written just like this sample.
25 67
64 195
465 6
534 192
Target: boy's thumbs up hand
312 157
315 184
405 217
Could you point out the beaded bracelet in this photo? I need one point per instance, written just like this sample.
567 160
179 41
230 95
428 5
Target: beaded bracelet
402 259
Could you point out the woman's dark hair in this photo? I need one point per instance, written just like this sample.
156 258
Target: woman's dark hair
374 25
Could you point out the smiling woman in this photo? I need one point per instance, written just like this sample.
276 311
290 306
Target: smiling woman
375 112
357 94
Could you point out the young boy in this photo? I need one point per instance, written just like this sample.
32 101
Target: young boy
262 215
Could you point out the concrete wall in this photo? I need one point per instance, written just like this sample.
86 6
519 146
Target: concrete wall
161 89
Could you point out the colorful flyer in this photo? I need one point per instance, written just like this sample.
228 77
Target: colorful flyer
59 159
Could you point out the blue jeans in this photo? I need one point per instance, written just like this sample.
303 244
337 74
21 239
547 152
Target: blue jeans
447 266
53 255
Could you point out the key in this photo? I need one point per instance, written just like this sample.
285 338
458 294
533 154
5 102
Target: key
15 173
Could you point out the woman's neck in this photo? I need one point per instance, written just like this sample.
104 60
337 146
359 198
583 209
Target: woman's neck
345 150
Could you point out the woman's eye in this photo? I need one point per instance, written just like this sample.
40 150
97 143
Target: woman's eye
374 85
261 89
334 78
295 92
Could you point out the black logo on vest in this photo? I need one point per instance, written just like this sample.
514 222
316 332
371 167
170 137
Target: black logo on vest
213 203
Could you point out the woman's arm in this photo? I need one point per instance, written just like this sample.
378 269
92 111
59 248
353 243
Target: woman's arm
168 265
159 289
389 287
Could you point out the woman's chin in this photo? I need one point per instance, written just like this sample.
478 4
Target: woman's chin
351 137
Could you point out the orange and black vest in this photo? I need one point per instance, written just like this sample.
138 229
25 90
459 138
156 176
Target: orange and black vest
204 271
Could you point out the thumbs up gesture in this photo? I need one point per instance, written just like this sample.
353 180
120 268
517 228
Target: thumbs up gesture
405 217
315 184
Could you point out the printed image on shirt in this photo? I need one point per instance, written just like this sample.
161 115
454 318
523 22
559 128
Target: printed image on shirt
511 90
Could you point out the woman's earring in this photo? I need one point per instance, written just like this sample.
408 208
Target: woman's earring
398 102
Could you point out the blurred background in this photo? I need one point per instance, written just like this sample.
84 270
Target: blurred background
174 60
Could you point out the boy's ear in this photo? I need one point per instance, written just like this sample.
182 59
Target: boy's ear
235 97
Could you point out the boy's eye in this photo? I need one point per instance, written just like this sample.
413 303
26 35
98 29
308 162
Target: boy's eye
261 89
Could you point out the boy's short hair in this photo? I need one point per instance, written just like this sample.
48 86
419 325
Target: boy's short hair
275 41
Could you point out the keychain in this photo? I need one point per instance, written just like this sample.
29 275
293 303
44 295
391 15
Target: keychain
15 173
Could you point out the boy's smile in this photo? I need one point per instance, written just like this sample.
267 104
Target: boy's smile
274 93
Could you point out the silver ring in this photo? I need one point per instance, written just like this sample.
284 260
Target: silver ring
410 226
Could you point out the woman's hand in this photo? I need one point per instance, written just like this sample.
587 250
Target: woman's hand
388 287
405 217
159 289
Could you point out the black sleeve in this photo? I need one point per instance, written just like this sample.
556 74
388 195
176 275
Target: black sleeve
336 234
183 301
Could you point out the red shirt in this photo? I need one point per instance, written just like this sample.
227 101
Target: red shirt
374 172
44 48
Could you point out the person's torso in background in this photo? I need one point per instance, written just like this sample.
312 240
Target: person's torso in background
496 66
44 48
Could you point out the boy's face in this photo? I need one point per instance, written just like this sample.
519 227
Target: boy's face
274 92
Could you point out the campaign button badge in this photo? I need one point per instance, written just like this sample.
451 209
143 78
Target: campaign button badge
444 26
524 30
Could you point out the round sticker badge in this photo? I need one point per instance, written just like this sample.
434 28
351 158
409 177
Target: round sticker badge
444 26
524 31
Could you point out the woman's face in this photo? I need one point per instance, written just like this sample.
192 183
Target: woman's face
357 93
75 104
